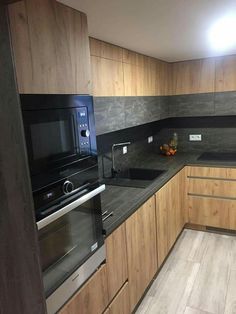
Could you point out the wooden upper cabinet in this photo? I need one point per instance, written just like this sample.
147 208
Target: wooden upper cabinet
141 250
51 47
226 74
197 76
107 77
116 261
105 50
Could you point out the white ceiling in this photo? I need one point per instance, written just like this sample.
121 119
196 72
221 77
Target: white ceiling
171 30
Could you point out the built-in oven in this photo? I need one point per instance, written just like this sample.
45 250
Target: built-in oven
61 144
68 239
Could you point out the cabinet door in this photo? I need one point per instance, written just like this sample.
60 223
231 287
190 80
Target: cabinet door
116 261
91 298
51 47
170 214
120 305
141 250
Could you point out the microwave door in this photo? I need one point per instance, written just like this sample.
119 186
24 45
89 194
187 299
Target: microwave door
52 139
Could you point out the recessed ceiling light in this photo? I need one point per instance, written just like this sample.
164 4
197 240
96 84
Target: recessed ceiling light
222 34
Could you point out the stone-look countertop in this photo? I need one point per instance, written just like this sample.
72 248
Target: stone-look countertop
124 201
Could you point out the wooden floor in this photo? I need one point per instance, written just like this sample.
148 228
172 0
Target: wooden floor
199 277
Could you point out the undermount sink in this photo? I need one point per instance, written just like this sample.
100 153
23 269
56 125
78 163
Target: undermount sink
135 177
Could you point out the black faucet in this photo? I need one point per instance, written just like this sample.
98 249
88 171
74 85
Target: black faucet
113 168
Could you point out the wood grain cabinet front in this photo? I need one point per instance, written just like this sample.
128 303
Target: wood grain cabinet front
141 250
120 304
51 48
91 298
212 196
116 261
170 214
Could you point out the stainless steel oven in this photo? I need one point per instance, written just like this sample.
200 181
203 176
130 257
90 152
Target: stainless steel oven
71 245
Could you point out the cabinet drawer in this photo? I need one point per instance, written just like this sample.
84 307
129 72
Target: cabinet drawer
120 305
212 172
221 188
210 212
91 298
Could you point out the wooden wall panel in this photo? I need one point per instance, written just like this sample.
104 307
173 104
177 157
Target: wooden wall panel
225 74
191 77
51 49
107 77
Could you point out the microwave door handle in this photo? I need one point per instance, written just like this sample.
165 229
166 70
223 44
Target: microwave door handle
63 211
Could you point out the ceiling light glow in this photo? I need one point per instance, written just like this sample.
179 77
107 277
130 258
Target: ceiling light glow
222 34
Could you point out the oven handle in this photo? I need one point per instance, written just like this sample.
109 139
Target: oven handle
61 212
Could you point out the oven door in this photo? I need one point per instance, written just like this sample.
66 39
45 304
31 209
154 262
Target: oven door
51 138
67 239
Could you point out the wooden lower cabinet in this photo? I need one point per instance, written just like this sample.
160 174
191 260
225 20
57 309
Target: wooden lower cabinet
212 196
170 214
141 250
91 298
120 304
116 261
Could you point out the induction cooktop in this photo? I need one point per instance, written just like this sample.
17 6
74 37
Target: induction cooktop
218 156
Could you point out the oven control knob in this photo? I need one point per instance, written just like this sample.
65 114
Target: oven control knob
85 133
68 187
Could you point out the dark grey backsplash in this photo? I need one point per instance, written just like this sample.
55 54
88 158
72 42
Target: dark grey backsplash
218 134
117 113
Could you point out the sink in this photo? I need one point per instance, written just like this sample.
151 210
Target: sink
135 177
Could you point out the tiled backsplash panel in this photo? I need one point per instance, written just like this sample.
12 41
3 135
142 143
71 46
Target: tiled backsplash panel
191 105
117 113
225 103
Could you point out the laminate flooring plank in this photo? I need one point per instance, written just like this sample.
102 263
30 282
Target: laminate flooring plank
190 310
172 295
191 246
230 307
210 288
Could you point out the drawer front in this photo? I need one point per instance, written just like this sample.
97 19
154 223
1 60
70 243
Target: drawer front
221 188
209 211
212 172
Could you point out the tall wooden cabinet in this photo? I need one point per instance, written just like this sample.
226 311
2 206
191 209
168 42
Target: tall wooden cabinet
141 249
170 214
51 47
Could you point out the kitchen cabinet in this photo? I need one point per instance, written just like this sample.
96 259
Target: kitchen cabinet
191 77
170 214
116 261
105 50
107 77
212 196
120 304
92 297
51 48
225 74
141 250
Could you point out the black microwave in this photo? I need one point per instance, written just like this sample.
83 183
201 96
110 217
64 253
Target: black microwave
61 143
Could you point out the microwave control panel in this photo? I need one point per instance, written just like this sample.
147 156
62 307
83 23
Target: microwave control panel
83 130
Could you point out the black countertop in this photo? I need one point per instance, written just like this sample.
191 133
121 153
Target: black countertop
124 201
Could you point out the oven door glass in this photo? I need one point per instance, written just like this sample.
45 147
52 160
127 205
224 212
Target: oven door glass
52 138
66 243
